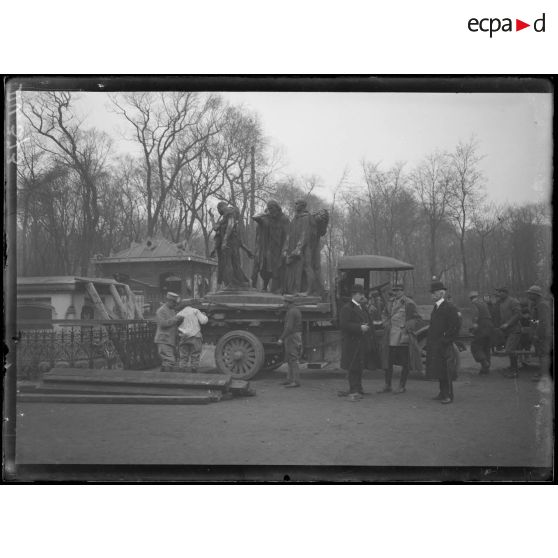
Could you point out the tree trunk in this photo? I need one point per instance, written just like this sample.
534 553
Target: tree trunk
251 224
464 263
433 259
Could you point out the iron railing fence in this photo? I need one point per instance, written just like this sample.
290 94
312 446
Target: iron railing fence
110 344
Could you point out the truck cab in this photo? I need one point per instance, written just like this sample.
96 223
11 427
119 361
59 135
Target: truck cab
375 274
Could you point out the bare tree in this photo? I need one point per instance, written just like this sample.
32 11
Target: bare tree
374 180
240 155
431 182
485 220
201 180
528 249
466 193
291 188
172 129
332 244
51 115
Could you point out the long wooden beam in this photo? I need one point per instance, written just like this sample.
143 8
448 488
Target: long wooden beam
109 389
138 312
90 288
133 377
122 399
122 310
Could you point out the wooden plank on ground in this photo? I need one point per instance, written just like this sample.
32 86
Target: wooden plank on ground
111 399
241 387
133 374
75 387
137 377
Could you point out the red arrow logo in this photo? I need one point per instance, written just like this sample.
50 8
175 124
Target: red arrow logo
519 25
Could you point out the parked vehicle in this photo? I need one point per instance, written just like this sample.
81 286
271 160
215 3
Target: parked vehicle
245 325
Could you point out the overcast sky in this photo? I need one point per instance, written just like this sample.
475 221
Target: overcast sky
324 133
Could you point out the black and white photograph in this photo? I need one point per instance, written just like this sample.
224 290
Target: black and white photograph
279 280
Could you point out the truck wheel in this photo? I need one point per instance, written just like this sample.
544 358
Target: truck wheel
240 354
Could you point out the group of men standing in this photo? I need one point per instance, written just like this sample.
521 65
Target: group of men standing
506 324
286 255
399 344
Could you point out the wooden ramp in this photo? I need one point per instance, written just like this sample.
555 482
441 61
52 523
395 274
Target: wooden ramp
76 385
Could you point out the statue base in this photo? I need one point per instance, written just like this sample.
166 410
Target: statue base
253 296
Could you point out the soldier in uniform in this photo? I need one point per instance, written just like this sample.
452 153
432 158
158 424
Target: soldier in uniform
542 338
291 339
165 336
400 345
510 315
482 332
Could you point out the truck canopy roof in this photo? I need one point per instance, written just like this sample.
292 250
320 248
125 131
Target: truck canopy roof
379 263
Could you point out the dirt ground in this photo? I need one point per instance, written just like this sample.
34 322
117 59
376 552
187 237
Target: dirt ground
493 422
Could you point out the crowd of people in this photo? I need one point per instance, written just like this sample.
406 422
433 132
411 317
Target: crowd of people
515 328
501 323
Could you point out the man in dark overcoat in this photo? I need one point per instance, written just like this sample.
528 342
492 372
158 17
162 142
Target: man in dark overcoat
442 333
356 331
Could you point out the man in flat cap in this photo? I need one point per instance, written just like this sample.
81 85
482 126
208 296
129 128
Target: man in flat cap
442 334
510 316
542 338
291 339
482 332
355 344
165 336
399 343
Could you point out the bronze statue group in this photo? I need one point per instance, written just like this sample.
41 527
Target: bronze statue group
287 252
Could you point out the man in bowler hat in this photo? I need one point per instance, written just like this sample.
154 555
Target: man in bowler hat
355 344
442 333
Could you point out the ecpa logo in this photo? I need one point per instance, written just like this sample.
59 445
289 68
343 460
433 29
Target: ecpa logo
494 24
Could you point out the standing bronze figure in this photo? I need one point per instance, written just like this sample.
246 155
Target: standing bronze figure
271 233
320 221
227 248
297 251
